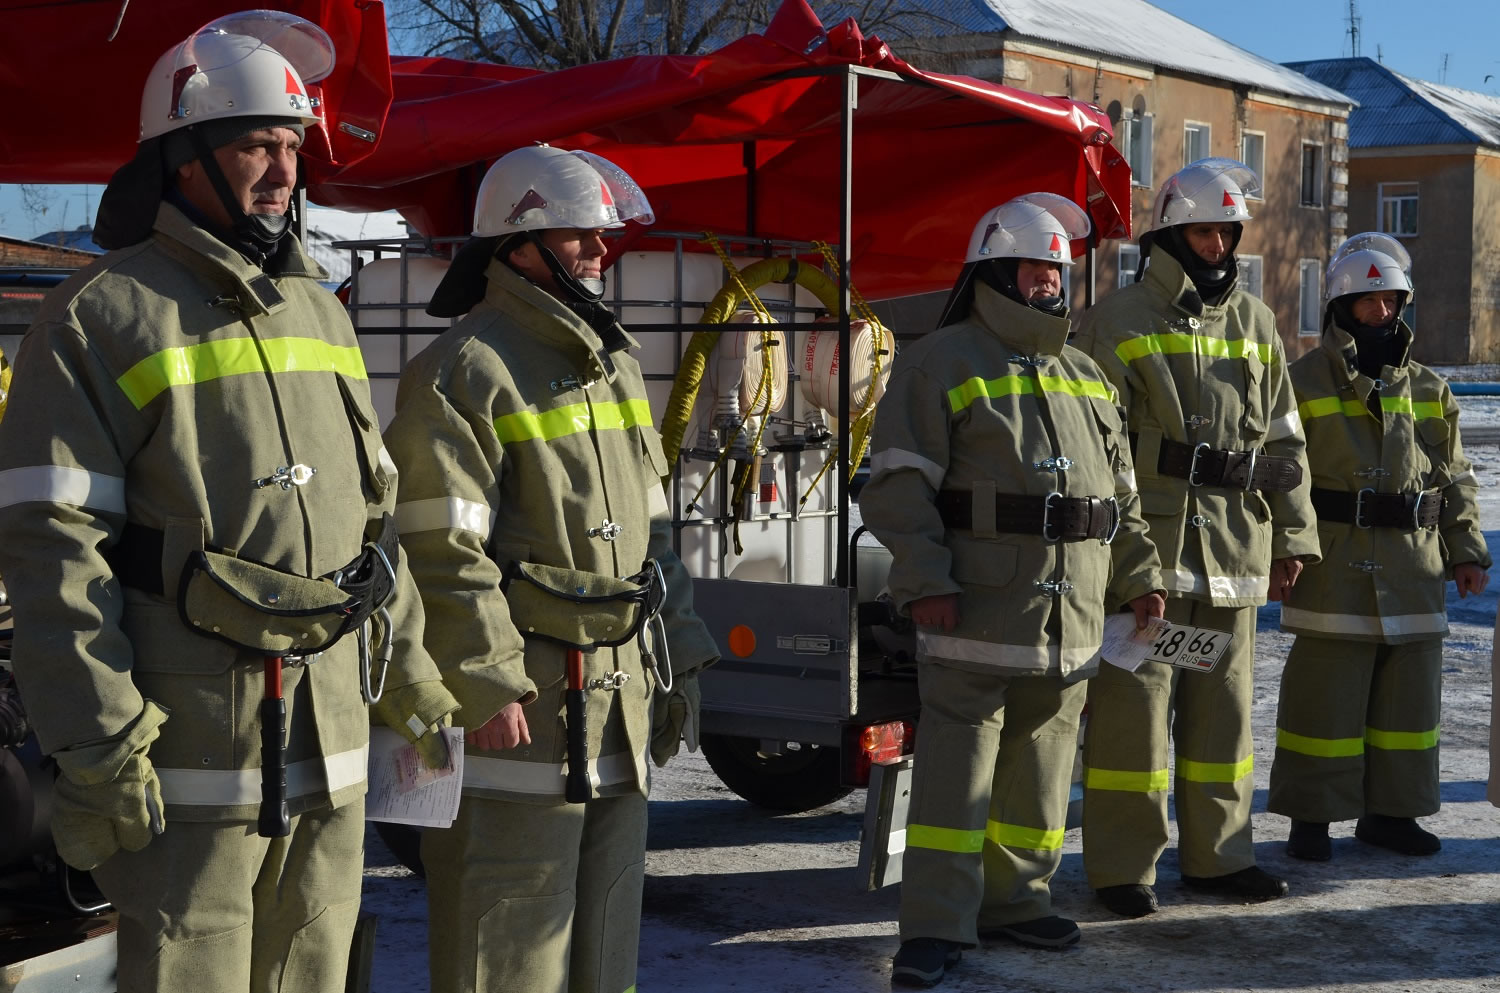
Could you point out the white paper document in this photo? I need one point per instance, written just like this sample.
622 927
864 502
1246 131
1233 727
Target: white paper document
403 790
1126 647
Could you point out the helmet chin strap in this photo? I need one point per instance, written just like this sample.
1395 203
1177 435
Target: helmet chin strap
259 233
581 290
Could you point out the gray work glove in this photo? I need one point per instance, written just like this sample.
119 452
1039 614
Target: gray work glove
674 717
420 711
107 795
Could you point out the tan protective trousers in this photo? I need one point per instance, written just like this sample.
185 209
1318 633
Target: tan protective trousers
214 907
529 898
1125 758
989 804
1357 730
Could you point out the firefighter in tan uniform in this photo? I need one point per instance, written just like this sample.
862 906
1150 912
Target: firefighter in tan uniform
1357 727
1001 482
536 525
191 483
1219 459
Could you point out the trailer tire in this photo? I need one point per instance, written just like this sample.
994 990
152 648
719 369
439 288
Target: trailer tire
789 783
405 843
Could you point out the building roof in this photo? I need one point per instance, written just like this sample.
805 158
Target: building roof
80 238
1399 110
1139 32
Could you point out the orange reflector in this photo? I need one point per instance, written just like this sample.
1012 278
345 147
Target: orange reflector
741 641
883 742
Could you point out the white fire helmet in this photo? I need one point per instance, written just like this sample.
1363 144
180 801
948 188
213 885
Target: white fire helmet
1366 270
1209 191
1036 226
256 63
541 187
1374 241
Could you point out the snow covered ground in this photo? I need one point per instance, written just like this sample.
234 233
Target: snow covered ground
740 900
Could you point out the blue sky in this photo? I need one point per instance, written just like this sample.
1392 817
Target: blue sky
1411 38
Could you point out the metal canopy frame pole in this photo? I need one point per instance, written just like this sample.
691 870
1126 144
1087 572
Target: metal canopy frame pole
846 217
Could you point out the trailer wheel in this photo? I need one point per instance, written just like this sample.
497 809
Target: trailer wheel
405 842
799 779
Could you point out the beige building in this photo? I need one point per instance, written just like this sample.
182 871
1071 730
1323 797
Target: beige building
1176 93
1424 165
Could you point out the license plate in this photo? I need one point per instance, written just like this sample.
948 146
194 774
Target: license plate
1193 648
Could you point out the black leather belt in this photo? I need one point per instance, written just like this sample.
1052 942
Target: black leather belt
1201 465
1054 517
1368 509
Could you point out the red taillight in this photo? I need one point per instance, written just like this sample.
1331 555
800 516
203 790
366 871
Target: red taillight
883 742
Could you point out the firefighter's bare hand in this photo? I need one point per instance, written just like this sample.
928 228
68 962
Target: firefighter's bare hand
1152 604
939 611
1284 573
1470 578
506 729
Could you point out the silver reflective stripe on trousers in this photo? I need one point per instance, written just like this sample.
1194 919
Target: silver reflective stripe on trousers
544 778
234 787
62 484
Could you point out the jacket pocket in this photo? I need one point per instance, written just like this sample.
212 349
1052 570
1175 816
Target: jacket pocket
984 563
376 467
1254 421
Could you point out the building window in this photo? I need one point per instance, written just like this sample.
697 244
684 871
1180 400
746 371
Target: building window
1398 208
1130 261
1135 140
1250 272
1409 312
1253 154
1312 175
1195 142
1310 307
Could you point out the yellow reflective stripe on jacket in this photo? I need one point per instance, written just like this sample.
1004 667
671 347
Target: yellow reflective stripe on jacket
1420 410
1154 781
1018 836
1402 741
1215 772
1191 344
190 365
1322 748
575 418
944 839
973 389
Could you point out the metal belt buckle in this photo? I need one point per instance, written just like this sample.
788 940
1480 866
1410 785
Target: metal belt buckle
1416 510
1250 476
1359 507
1047 517
1198 450
1114 523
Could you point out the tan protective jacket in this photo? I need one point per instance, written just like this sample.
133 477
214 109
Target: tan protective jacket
1217 375
156 386
523 436
1379 583
979 406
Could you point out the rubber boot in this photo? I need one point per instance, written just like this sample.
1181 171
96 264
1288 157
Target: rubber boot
1043 932
923 961
1130 900
1251 883
1398 834
1308 840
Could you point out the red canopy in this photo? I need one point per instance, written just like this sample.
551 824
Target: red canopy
930 153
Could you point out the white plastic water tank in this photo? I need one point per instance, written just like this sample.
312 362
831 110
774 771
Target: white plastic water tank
386 295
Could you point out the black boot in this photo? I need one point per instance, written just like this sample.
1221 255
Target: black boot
1399 834
1130 900
1253 883
1308 840
1043 932
922 961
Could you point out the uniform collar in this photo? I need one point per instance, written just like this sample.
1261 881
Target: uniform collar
1341 349
251 289
1166 277
1025 328
549 318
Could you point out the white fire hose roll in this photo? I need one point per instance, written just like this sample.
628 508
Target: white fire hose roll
820 366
